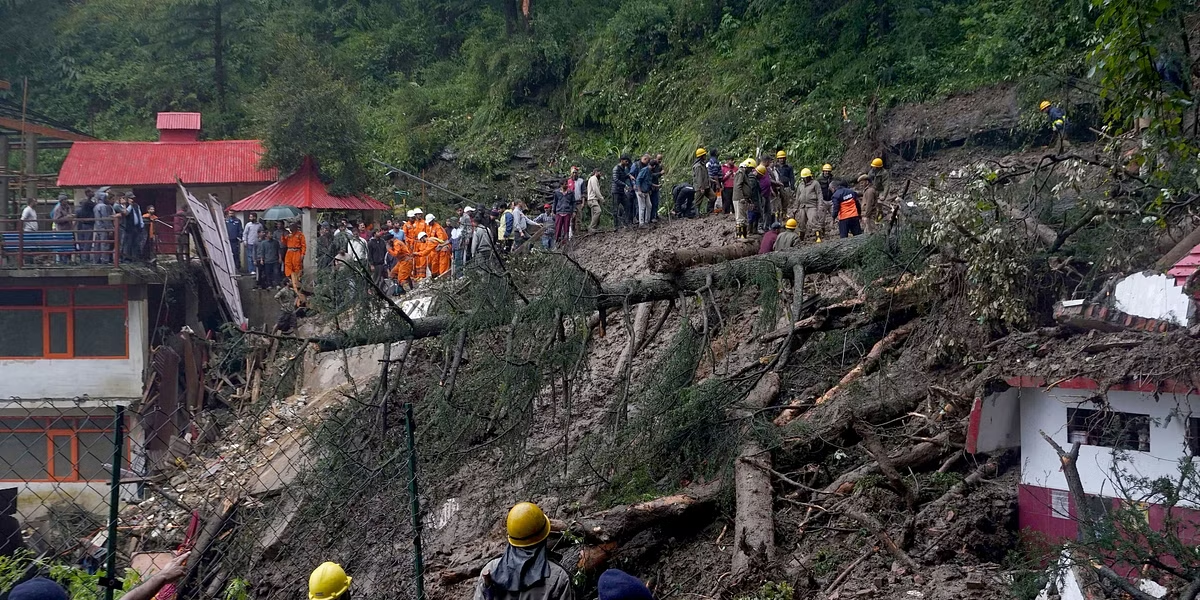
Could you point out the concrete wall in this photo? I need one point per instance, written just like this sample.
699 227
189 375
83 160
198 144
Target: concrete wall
96 378
999 422
1154 296
1047 411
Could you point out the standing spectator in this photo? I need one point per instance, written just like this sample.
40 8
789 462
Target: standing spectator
520 224
564 208
377 255
233 227
61 216
546 220
579 188
103 229
132 225
250 234
644 186
701 183
460 242
29 216
341 241
151 221
364 233
179 221
84 224
620 186
268 260
656 174
482 240
325 252
594 200
728 171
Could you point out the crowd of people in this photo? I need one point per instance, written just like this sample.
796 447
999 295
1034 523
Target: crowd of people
102 225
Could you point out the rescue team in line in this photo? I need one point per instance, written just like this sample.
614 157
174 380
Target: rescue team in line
526 571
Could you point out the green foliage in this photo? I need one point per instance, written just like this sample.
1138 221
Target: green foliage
238 589
772 590
78 583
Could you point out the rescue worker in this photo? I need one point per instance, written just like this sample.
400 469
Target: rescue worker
329 582
439 260
783 174
421 249
402 258
826 181
293 259
870 203
768 239
808 198
702 181
789 238
525 571
1058 121
847 211
745 189
418 224
879 177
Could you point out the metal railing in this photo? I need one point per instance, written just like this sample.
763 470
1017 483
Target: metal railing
86 243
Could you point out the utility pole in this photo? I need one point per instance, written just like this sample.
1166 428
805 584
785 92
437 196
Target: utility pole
31 156
3 177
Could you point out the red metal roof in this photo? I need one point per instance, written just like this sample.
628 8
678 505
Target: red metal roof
1186 266
159 163
303 189
178 120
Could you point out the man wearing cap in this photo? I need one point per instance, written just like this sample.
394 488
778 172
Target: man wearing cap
102 229
615 584
701 181
525 571
879 177
785 176
804 210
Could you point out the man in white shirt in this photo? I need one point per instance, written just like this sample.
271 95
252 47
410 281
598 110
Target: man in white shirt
594 198
29 216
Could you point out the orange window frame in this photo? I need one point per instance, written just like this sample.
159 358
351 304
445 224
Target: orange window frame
69 309
51 475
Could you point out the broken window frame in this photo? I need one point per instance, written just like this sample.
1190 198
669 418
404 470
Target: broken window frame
62 303
1109 429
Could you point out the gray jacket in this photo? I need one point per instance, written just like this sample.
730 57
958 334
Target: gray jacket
555 587
700 179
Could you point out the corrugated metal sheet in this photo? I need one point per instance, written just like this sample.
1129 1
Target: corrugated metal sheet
1186 266
94 164
303 189
179 120
208 215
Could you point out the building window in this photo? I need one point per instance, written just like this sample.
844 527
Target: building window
1060 504
36 449
81 322
1108 428
1193 435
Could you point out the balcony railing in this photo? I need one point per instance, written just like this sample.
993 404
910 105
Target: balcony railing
86 243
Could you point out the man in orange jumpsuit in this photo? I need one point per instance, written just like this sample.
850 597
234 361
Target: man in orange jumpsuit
293 259
439 261
403 256
422 249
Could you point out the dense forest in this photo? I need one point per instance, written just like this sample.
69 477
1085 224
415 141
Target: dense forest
403 80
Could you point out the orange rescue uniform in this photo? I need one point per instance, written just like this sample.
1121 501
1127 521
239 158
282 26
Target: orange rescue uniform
293 260
404 260
439 262
422 249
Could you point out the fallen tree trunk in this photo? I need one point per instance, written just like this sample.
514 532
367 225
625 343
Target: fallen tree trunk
1031 227
675 261
826 257
867 365
623 522
1178 251
641 322
754 520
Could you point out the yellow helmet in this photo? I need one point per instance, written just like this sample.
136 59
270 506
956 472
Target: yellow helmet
527 525
781 154
791 224
806 172
877 163
700 152
761 170
826 167
749 163
327 582
1044 105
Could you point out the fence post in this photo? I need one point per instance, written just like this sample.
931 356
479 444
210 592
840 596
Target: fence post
414 503
114 499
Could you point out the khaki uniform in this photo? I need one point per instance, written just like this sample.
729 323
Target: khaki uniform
557 586
870 206
743 195
807 210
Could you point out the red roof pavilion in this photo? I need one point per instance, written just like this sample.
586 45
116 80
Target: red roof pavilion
303 189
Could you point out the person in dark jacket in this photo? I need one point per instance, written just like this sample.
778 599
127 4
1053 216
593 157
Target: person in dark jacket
84 226
233 227
267 258
643 188
826 181
377 256
684 197
656 173
620 187
847 210
564 211
615 584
